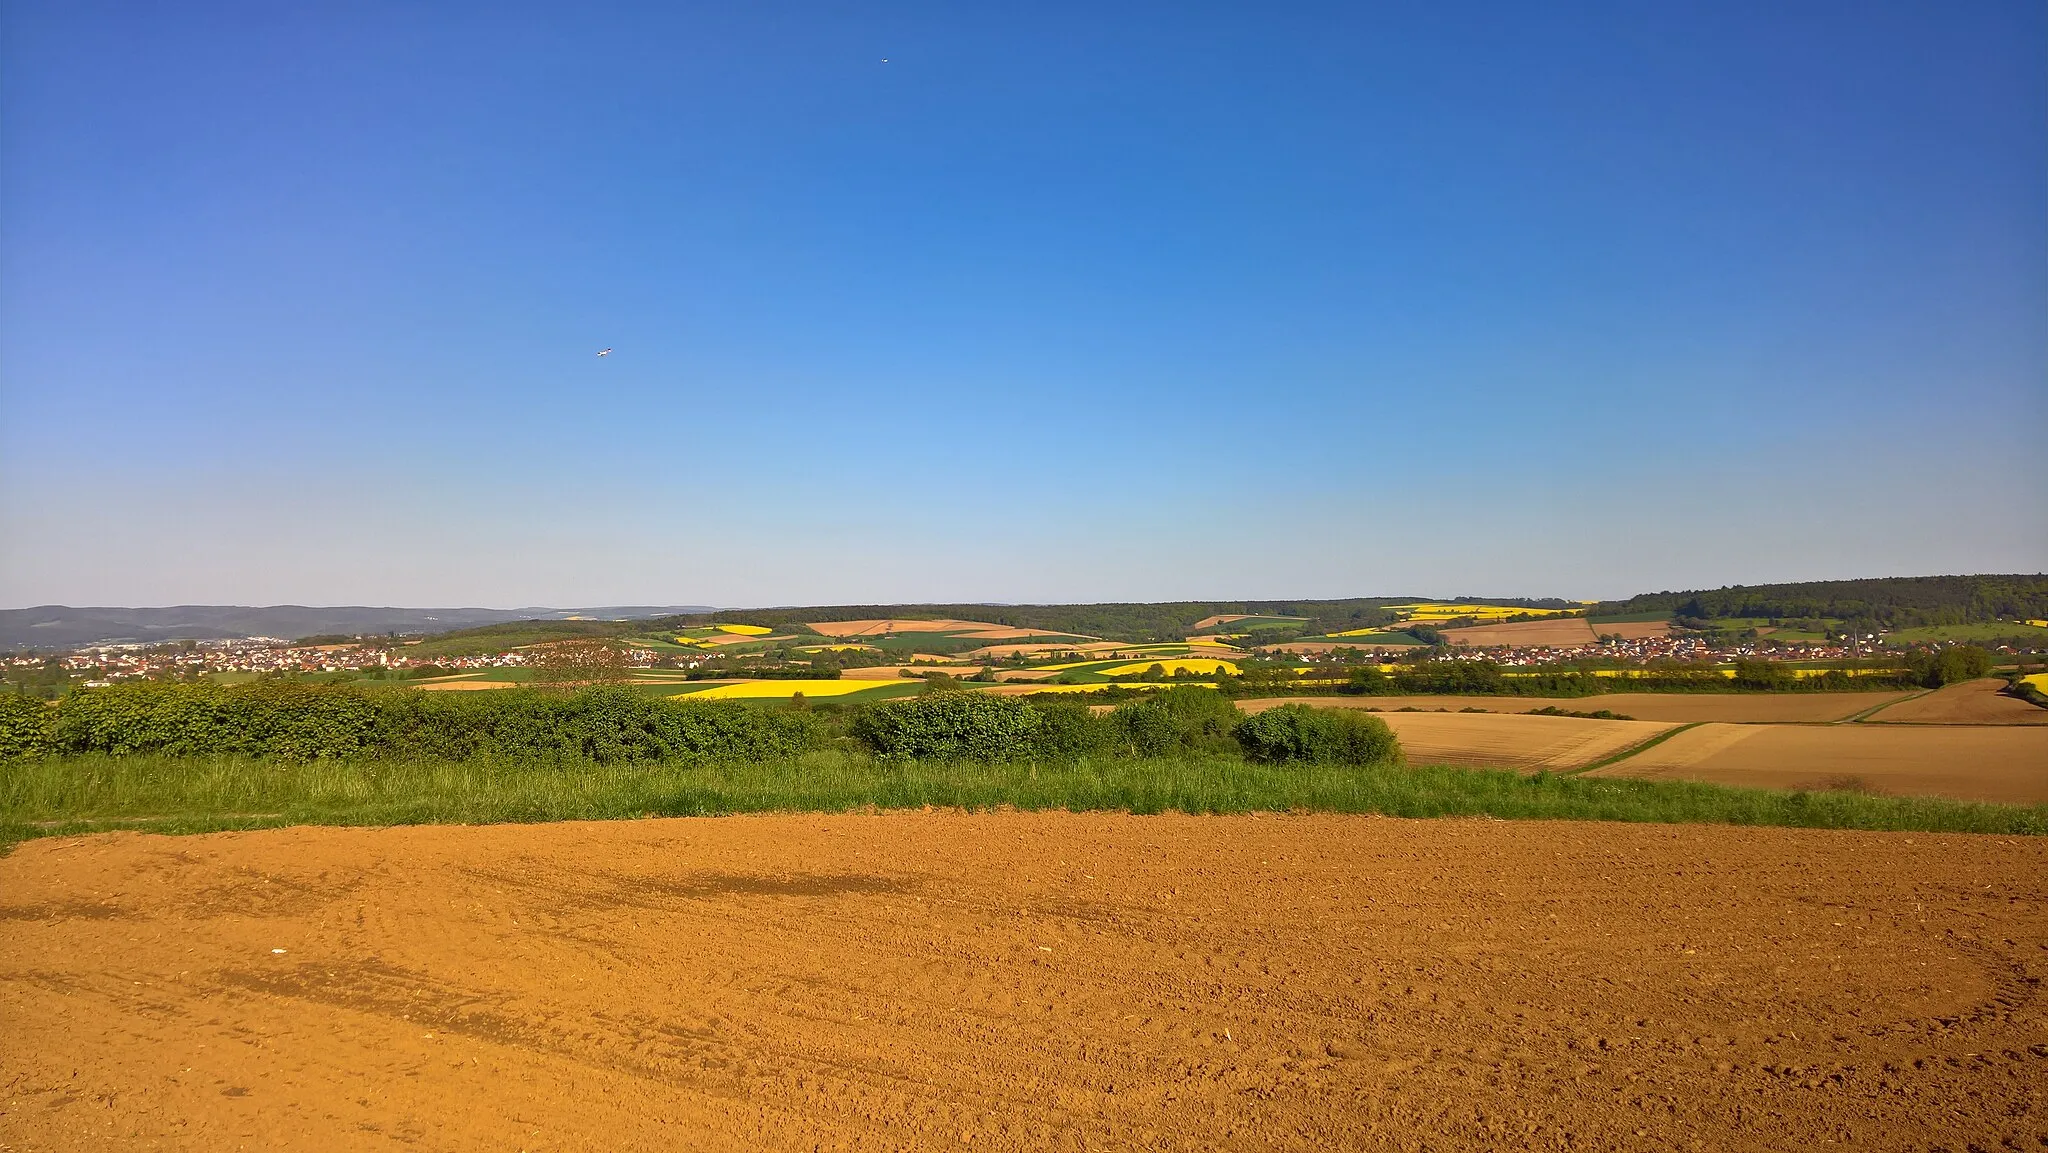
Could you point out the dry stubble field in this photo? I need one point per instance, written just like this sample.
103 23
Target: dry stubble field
1756 740
1026 982
1970 703
2005 763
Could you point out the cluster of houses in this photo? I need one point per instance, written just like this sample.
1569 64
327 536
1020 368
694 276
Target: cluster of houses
111 662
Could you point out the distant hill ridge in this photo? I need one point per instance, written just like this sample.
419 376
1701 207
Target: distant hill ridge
1886 602
64 627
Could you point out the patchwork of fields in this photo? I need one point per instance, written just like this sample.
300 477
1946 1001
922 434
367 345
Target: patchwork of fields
1948 742
1965 741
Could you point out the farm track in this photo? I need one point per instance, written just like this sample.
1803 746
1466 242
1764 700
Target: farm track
1025 981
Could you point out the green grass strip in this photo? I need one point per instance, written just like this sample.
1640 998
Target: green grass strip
1873 710
182 795
1639 747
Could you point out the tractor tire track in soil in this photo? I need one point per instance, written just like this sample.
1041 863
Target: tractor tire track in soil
1025 981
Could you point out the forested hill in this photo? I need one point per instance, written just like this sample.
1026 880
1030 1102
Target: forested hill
61 626
1887 602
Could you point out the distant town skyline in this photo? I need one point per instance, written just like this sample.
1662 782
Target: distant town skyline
1060 304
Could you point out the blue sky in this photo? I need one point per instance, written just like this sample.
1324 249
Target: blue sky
1063 302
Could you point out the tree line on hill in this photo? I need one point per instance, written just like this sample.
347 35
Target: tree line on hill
1882 603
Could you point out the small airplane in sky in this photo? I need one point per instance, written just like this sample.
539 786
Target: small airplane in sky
604 352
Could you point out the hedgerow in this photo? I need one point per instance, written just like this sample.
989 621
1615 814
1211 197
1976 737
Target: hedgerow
309 722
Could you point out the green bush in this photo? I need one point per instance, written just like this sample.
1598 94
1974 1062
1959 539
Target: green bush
285 719
1187 717
1763 676
1368 680
24 726
1317 736
1144 728
1950 665
1067 730
948 726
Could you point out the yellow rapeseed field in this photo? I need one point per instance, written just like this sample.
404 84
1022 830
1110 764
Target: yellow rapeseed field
1425 612
764 689
1173 665
2038 680
744 630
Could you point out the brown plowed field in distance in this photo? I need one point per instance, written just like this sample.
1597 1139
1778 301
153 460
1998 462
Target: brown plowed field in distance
1558 631
1969 762
1025 982
1680 707
875 628
1969 703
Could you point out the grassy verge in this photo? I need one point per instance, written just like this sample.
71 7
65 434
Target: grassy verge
176 795
1632 750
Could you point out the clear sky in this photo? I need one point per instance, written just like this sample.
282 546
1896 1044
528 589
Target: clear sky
301 303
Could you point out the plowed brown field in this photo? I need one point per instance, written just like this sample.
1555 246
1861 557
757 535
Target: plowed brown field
1561 631
1025 982
875 628
1969 703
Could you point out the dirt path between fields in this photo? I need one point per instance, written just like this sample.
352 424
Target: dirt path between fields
1025 982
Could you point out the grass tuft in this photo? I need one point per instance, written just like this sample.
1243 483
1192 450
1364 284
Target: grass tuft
181 795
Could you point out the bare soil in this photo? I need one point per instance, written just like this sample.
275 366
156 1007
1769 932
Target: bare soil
1025 982
1970 703
1680 707
1559 631
1969 762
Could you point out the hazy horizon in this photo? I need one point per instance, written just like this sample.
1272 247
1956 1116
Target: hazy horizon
1061 305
